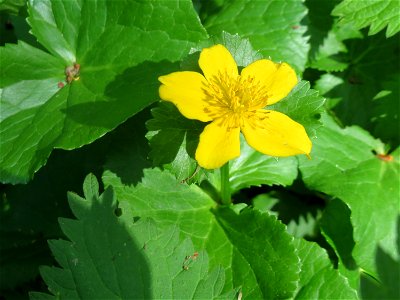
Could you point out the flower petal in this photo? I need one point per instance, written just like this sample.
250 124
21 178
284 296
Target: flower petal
218 144
217 61
186 91
273 133
278 79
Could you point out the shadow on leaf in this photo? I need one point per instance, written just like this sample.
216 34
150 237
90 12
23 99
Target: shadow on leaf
389 275
127 94
102 253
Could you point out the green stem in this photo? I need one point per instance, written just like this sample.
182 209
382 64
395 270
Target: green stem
225 188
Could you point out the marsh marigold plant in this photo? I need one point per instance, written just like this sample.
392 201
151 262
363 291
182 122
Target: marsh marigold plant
234 103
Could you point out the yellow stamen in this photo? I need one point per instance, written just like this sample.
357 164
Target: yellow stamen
231 97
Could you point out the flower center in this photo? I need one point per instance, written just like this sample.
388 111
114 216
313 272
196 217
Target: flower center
232 96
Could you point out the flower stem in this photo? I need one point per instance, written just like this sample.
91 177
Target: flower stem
225 188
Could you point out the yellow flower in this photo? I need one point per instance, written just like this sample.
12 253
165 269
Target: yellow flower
234 103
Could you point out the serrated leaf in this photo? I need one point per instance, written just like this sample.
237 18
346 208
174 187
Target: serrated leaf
273 27
274 259
373 69
116 44
113 257
319 22
239 46
318 279
29 213
189 207
376 14
328 57
327 36
303 105
300 222
345 166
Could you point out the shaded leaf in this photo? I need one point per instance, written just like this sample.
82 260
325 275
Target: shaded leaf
327 36
113 257
223 234
345 166
329 56
272 27
173 140
12 6
29 213
389 275
337 228
117 78
356 94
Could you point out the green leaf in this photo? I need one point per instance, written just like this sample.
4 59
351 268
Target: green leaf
319 22
108 255
129 153
229 239
253 168
329 58
343 165
303 105
376 14
356 93
326 85
318 279
272 27
240 48
302 221
29 213
337 228
385 112
173 140
12 6
327 36
388 270
273 260
15 27
116 44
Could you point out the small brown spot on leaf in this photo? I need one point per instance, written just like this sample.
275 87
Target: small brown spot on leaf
72 72
385 157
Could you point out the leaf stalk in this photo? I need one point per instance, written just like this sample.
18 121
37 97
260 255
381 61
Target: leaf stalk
225 187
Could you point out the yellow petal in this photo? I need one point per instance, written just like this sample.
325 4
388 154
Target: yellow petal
278 79
217 61
275 134
186 91
218 144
